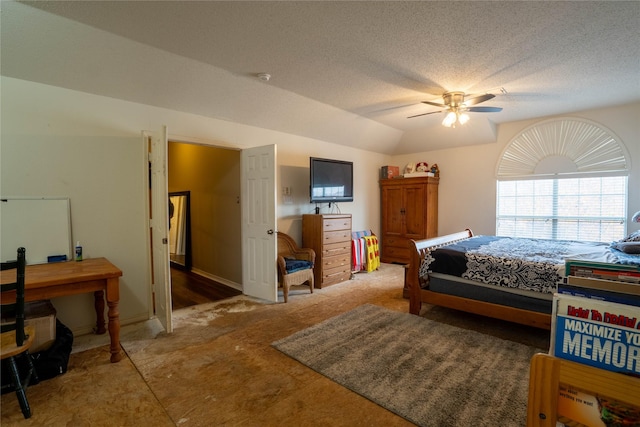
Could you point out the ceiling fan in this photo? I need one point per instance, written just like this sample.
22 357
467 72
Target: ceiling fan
457 106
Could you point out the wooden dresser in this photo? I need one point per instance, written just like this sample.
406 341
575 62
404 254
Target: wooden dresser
330 237
409 211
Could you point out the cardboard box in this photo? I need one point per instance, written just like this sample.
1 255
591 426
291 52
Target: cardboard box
388 172
42 316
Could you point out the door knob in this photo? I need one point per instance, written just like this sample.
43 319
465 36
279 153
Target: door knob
269 231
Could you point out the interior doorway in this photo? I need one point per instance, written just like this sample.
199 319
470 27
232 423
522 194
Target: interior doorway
204 185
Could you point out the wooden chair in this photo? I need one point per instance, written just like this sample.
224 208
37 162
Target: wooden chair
295 265
16 337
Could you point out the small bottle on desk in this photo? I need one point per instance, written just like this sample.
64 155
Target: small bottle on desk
78 251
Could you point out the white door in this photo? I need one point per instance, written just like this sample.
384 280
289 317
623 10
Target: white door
259 243
159 228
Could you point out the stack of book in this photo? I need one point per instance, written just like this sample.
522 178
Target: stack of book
596 322
604 271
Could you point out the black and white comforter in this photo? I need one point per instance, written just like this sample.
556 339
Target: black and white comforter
528 264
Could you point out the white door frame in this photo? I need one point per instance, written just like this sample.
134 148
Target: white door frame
159 225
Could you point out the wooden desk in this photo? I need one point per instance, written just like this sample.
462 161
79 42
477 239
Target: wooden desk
97 275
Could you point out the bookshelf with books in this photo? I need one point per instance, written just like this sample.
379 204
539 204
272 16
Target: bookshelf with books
591 376
602 270
601 289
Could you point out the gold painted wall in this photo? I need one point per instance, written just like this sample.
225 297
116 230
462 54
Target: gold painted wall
212 175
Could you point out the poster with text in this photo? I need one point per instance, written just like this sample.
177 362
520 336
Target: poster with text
602 334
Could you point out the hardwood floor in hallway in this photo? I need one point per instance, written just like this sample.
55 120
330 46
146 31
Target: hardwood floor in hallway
189 288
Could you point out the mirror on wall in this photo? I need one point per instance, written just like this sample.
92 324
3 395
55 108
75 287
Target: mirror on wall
180 230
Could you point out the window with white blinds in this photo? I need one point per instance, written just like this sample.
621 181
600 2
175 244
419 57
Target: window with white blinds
563 179
592 208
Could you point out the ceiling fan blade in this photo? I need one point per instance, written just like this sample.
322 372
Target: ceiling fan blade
478 99
484 109
435 103
424 114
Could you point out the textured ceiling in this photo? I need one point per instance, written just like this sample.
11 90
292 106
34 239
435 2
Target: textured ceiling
345 72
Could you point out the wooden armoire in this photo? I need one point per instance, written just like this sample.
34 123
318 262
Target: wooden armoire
409 211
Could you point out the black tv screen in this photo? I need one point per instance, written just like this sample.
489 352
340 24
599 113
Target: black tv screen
331 180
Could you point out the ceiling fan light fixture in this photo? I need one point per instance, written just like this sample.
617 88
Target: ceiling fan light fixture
454 117
456 107
450 119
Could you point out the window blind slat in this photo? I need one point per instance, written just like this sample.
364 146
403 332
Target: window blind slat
592 209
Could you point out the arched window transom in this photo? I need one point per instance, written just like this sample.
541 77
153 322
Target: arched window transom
563 179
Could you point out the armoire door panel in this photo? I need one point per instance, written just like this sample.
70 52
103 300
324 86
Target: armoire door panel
393 210
414 212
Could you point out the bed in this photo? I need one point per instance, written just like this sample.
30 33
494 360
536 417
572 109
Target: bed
506 278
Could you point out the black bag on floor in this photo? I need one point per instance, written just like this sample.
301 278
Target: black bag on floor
54 361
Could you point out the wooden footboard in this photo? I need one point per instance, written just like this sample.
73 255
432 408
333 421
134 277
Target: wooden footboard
419 248
418 295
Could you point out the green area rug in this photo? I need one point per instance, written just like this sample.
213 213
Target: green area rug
429 373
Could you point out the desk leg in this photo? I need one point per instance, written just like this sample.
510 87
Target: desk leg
113 298
99 304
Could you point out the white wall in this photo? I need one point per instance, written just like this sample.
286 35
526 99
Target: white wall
467 190
103 178
58 142
293 165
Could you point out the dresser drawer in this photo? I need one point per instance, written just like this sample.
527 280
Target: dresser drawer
333 249
338 261
336 236
331 224
335 277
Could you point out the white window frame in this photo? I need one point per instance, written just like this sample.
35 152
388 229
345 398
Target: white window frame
589 216
564 148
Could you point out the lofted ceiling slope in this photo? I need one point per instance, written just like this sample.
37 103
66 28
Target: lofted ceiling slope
344 72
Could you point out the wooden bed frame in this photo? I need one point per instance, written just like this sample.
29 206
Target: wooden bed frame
418 295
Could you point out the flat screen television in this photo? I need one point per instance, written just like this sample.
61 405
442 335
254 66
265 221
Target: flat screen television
330 180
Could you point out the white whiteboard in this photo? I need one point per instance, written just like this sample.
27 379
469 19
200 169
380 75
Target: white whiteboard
41 225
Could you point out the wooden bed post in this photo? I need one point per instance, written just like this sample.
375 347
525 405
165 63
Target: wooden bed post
413 279
418 250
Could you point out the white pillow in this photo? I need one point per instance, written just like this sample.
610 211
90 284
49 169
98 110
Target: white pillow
633 237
